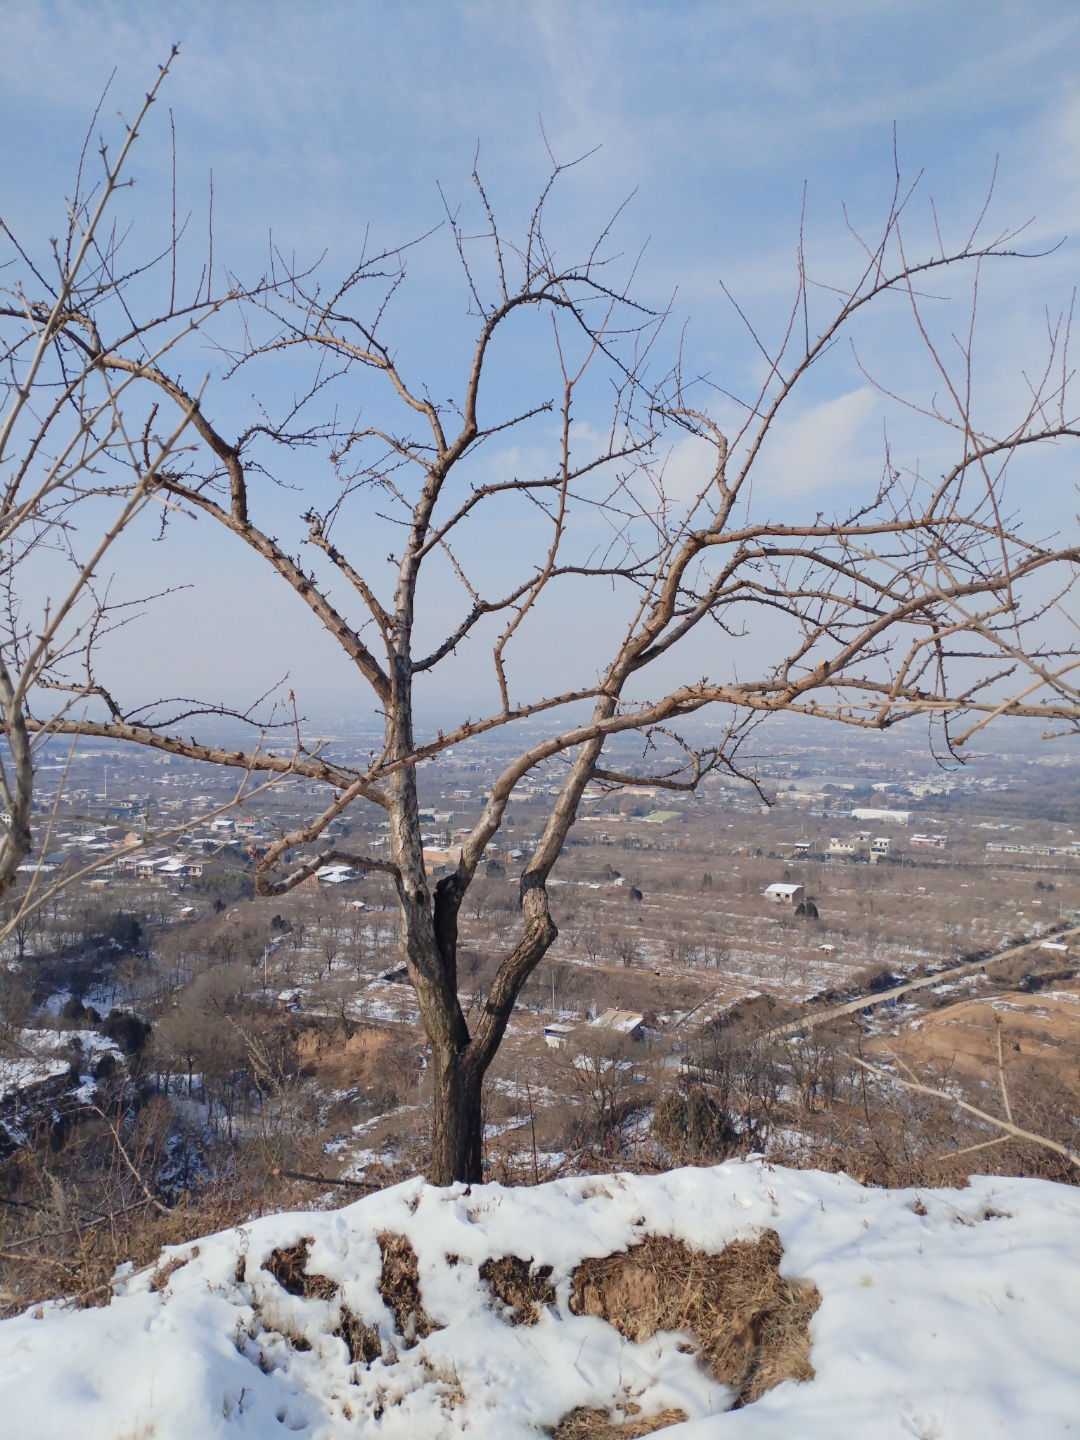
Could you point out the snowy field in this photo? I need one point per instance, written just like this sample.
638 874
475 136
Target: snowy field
947 1315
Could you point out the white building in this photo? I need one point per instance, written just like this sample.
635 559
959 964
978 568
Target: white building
786 894
557 1035
336 874
895 817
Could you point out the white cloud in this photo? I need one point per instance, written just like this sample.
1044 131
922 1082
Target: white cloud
822 449
831 445
688 468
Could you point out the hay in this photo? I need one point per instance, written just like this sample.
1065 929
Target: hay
364 1342
289 1269
522 1290
399 1286
586 1424
749 1322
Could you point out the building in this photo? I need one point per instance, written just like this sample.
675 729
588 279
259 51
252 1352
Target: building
937 841
161 867
337 874
786 894
895 817
620 1022
557 1035
843 849
438 859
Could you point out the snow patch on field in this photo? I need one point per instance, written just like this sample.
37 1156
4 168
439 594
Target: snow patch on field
951 1315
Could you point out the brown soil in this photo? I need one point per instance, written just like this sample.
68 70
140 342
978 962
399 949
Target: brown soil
365 1058
750 1322
1040 1029
522 1290
399 1286
586 1424
289 1269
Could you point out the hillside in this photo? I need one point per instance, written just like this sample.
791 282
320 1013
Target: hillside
946 1314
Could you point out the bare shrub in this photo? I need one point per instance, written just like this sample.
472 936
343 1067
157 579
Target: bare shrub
693 1128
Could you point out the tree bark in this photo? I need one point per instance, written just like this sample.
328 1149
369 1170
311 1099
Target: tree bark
457 1139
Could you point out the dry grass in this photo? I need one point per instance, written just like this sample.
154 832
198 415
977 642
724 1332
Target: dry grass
164 1273
364 1341
750 1322
289 1269
587 1424
399 1286
48 1253
521 1289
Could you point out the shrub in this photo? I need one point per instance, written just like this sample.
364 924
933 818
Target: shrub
129 1031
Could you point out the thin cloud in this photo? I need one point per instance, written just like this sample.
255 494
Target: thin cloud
823 449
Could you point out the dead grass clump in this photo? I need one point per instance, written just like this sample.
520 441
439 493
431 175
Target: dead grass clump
750 1322
399 1286
364 1342
586 1424
289 1269
163 1273
522 1289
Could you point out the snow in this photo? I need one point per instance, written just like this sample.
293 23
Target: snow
957 1324
19 1075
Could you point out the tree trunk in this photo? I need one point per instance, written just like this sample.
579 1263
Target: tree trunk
457 1142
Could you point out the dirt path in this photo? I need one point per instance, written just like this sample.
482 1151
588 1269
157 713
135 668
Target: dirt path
867 1002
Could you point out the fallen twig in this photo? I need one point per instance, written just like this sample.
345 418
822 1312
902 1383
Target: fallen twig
321 1179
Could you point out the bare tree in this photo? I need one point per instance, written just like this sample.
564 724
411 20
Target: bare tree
77 463
84 449
924 599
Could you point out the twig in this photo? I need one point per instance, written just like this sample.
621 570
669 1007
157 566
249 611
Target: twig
983 1145
152 1199
1006 1125
321 1179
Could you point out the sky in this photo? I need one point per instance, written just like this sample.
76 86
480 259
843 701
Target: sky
714 122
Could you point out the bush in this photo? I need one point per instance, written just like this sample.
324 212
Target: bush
125 930
129 1031
692 1126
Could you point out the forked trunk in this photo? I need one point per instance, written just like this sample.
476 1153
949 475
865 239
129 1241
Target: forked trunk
457 1124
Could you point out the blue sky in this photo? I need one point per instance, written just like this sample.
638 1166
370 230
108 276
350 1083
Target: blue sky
321 119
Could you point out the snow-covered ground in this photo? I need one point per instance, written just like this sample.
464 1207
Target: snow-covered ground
960 1323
